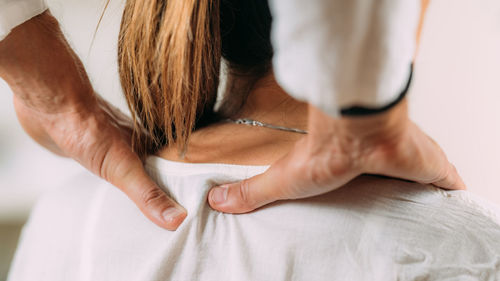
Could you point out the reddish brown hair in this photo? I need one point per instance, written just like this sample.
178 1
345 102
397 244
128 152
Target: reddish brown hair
169 59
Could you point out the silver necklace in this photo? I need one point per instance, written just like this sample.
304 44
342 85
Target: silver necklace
250 122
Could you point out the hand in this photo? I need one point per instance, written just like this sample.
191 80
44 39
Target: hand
337 150
57 106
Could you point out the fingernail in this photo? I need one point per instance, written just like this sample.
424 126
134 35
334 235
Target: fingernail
219 194
172 214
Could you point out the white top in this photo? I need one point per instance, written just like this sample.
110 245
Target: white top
372 229
16 12
331 53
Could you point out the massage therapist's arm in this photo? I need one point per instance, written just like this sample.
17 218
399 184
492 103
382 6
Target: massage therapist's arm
57 106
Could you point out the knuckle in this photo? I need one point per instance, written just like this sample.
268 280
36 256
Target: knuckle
442 177
244 193
151 196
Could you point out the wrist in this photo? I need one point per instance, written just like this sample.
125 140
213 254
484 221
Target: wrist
377 134
377 126
42 70
365 111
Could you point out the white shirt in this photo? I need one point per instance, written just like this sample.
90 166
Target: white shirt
372 229
331 53
336 53
16 12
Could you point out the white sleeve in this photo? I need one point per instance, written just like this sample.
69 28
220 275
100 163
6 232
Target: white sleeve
16 12
336 53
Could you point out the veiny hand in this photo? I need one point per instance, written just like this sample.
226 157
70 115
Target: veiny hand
57 106
337 150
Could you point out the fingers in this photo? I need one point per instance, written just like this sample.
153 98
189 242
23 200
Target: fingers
154 203
448 177
109 155
247 195
128 173
451 180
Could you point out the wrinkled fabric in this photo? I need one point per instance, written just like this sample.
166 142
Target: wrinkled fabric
337 54
16 12
371 229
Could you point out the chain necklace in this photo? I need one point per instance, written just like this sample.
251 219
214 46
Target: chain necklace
250 122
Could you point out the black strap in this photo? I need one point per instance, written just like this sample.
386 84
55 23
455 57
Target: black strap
359 111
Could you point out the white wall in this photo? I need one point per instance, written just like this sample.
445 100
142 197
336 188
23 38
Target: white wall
455 96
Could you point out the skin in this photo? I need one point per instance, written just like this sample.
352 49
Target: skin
58 108
333 153
237 144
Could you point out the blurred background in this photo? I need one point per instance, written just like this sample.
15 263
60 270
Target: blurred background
455 98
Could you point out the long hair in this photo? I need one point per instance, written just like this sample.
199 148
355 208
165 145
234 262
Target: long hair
169 57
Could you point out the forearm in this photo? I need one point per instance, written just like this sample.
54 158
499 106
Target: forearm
16 12
41 68
46 77
379 127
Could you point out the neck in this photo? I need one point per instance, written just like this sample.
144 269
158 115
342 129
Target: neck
267 102
239 144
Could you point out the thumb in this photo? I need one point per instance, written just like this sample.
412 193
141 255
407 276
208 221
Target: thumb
451 179
129 175
249 194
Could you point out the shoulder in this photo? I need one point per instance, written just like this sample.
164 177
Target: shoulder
52 240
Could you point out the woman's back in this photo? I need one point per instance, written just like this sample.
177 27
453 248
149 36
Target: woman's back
372 229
